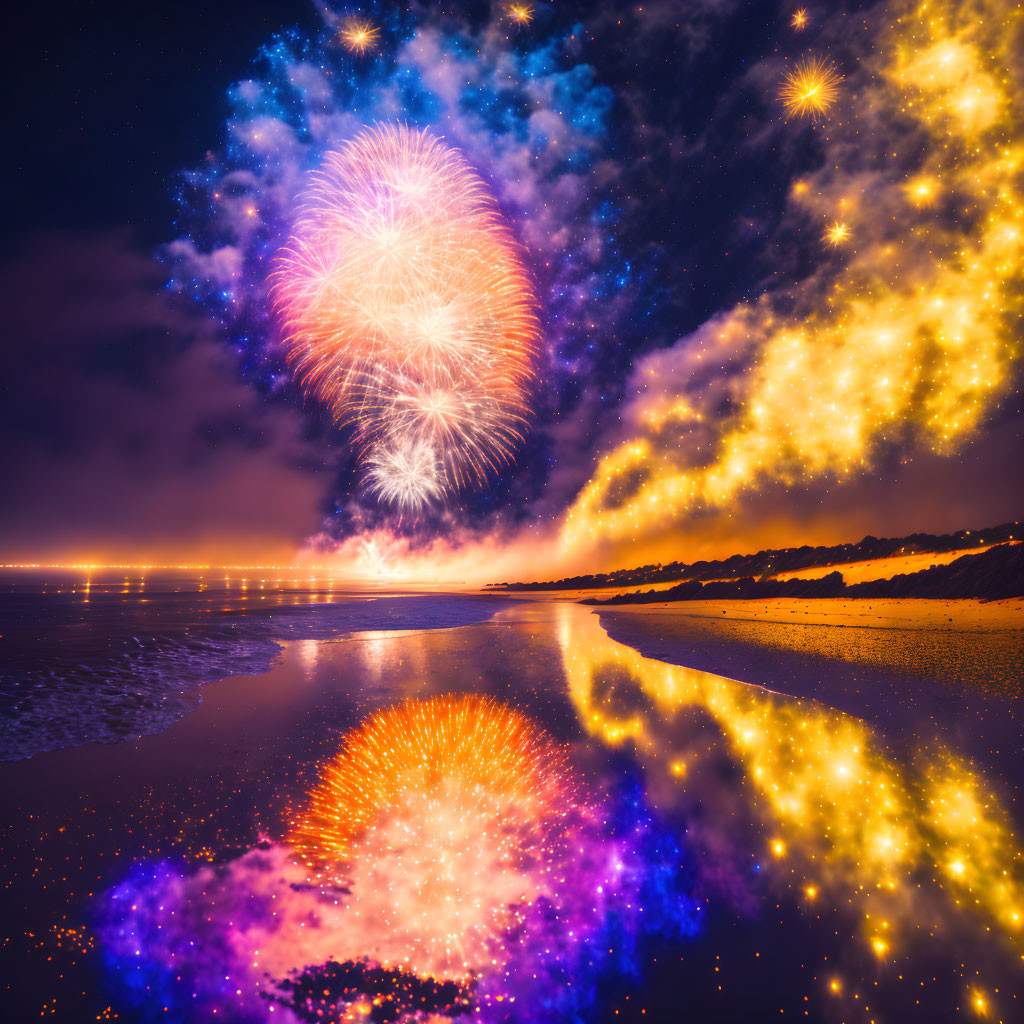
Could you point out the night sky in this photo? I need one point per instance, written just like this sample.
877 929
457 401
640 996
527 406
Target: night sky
671 215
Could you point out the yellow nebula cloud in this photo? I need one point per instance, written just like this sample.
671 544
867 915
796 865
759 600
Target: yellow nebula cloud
911 341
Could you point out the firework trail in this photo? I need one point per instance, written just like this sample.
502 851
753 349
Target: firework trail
406 308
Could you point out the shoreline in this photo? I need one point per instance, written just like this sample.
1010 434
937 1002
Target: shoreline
110 696
901 667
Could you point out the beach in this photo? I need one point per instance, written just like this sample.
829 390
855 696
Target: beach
677 701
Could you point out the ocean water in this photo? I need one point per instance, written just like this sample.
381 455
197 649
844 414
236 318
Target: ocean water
808 830
99 657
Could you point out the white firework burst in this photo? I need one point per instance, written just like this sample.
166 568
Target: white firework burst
405 474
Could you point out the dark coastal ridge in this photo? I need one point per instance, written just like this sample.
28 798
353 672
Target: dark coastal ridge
992 575
771 562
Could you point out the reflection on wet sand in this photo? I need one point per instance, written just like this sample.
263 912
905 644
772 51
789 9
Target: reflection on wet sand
793 858
960 644
912 845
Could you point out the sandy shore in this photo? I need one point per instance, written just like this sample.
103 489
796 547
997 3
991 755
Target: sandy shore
842 651
885 613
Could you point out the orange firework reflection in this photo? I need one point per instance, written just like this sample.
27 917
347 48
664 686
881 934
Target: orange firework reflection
458 798
407 309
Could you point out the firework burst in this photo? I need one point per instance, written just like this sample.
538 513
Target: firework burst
810 89
444 818
407 309
404 476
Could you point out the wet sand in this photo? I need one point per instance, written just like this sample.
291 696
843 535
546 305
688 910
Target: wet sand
215 781
954 669
896 613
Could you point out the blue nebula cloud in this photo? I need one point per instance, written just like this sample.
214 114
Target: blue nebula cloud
529 112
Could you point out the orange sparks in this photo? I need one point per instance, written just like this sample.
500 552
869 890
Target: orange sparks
359 35
810 88
836 233
521 14
799 21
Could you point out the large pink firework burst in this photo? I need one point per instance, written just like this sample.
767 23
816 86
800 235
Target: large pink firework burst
407 309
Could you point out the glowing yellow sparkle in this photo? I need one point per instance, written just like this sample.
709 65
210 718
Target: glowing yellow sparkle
799 21
521 14
810 88
922 190
837 232
359 35
979 1004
